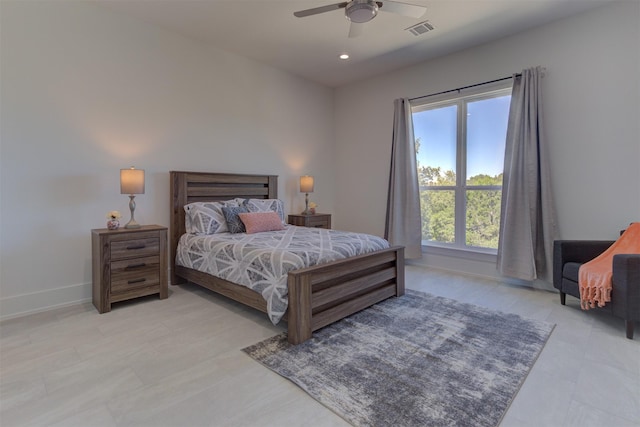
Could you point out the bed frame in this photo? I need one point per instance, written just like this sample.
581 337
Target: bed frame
318 295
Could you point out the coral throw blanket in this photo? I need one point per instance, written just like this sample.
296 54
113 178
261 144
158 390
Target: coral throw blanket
594 277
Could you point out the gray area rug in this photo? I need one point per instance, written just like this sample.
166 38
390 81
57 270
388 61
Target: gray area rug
417 360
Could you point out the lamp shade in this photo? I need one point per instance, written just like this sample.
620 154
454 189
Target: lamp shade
306 184
132 181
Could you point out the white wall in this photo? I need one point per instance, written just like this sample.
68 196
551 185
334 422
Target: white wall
86 92
592 106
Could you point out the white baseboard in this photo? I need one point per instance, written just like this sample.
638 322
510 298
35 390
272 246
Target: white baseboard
50 299
36 302
476 268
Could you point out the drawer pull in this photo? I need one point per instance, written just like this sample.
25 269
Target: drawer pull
133 266
130 248
131 282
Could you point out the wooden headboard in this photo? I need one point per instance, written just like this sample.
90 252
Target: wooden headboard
188 187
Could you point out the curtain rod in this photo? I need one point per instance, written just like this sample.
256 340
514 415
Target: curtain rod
462 88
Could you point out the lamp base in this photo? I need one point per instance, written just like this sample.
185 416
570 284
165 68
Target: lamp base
306 210
132 207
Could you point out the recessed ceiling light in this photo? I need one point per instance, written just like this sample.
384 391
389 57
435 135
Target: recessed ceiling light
344 56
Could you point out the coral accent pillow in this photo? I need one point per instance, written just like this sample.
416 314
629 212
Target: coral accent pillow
256 222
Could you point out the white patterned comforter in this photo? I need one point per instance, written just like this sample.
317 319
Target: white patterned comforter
261 261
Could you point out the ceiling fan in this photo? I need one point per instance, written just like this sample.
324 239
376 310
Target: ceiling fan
360 11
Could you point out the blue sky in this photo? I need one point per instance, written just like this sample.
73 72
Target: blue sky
486 131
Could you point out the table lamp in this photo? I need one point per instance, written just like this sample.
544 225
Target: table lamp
306 186
132 183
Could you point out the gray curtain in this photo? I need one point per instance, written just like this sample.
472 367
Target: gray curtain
527 220
404 224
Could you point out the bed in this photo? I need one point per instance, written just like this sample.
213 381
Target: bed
317 295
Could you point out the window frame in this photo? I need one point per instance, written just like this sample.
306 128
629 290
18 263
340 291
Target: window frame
461 98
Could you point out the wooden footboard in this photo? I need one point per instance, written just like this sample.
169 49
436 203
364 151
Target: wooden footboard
326 293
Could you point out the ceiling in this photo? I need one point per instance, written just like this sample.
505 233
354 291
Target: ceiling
267 31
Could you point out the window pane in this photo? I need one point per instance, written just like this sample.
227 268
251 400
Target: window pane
483 218
463 136
435 131
438 215
486 133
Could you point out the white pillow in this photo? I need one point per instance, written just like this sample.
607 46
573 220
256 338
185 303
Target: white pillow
264 205
207 217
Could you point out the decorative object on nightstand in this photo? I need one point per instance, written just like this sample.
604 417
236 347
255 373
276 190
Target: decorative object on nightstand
312 208
113 217
306 186
318 220
128 263
132 183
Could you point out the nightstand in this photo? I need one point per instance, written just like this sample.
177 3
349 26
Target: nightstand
128 263
314 220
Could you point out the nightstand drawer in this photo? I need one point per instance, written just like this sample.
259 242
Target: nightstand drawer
135 248
134 273
318 222
313 220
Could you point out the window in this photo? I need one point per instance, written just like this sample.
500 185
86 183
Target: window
460 152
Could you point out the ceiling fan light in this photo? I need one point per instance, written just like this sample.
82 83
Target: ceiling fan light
361 11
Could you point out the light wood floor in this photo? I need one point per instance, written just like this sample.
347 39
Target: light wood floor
177 362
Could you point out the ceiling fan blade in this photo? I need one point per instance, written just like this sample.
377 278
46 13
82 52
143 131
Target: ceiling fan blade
355 29
405 9
321 9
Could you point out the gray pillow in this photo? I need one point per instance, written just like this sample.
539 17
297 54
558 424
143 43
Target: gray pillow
234 224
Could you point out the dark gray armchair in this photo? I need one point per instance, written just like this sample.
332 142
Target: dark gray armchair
568 255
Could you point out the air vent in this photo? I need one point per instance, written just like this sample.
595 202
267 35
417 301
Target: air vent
421 28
